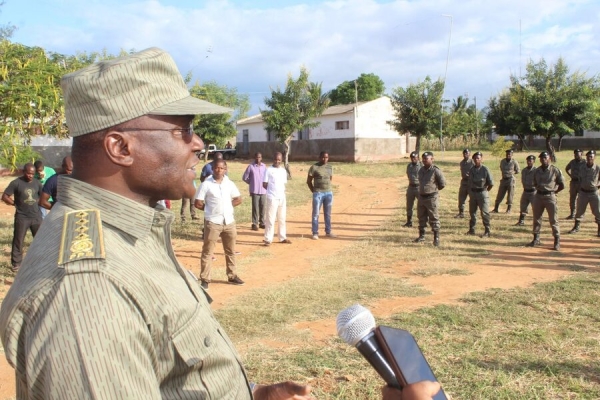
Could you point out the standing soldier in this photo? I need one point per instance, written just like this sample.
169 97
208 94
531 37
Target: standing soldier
548 181
572 169
412 191
509 169
589 181
480 183
465 166
528 188
431 181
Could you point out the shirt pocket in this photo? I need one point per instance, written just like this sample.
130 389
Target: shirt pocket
197 339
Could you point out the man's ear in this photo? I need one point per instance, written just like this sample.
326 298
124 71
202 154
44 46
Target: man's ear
117 146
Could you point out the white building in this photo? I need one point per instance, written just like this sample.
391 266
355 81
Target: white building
352 132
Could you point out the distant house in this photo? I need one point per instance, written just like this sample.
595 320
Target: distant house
352 132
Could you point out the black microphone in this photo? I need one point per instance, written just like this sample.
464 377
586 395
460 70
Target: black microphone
356 326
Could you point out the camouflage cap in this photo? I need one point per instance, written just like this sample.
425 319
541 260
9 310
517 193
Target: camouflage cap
111 92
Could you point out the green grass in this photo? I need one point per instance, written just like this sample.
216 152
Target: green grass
535 343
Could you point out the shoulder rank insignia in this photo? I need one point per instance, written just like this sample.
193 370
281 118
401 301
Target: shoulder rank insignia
81 236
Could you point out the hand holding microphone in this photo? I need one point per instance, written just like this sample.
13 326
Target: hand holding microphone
393 353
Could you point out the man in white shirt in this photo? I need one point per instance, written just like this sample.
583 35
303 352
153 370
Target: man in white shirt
275 181
217 196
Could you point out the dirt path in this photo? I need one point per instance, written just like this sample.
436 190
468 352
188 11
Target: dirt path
364 205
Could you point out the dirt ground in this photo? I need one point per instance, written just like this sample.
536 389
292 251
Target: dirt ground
364 206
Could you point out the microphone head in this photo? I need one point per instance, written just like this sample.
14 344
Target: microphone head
354 323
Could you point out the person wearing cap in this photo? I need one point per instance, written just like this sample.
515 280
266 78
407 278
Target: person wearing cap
548 181
528 189
463 192
412 191
509 168
589 181
101 307
480 183
572 169
431 181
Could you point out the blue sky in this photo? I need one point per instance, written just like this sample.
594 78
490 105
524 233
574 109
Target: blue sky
254 45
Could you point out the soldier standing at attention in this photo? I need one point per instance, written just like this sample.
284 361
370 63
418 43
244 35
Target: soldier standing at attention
528 188
431 181
589 180
480 183
548 180
509 169
465 166
412 191
572 169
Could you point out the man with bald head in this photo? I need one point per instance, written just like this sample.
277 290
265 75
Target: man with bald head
23 193
102 288
49 194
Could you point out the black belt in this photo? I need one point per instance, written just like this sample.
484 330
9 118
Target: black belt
544 193
478 190
589 191
428 195
413 184
529 190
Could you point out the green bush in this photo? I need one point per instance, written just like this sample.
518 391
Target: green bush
500 146
14 156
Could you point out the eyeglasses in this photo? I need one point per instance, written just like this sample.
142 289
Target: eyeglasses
185 133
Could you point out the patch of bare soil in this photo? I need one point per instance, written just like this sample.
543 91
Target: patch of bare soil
361 206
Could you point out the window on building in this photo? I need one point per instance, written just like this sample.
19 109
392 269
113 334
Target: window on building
342 125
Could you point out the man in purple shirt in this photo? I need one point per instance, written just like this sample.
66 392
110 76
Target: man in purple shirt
254 176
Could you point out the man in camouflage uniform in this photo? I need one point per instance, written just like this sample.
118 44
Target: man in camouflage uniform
528 188
589 181
412 191
572 169
431 181
548 181
463 192
101 307
480 183
509 167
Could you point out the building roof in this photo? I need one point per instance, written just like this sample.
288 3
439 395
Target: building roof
333 110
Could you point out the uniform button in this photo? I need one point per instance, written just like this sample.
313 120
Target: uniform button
207 341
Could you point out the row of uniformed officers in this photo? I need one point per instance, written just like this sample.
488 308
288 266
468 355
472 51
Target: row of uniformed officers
540 187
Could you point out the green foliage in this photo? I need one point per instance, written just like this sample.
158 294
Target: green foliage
294 108
15 155
548 101
366 87
500 146
463 120
417 109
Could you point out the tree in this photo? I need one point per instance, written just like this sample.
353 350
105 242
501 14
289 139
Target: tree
417 109
294 108
550 102
366 87
218 128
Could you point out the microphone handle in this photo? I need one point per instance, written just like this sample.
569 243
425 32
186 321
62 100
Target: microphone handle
370 350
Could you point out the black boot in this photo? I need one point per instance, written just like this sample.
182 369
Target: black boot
495 210
572 215
508 209
535 241
471 229
521 220
461 214
436 238
487 232
421 237
576 227
408 224
556 243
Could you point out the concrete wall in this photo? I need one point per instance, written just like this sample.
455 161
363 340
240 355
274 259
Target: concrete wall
326 129
372 117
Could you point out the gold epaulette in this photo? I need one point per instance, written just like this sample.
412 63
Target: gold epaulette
81 236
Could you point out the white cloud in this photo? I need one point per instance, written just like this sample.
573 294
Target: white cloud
401 41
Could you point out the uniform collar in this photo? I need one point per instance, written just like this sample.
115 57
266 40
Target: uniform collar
125 214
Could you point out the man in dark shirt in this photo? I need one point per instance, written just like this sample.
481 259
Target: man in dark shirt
528 189
463 192
431 181
412 191
509 168
589 180
572 169
480 183
49 191
26 191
